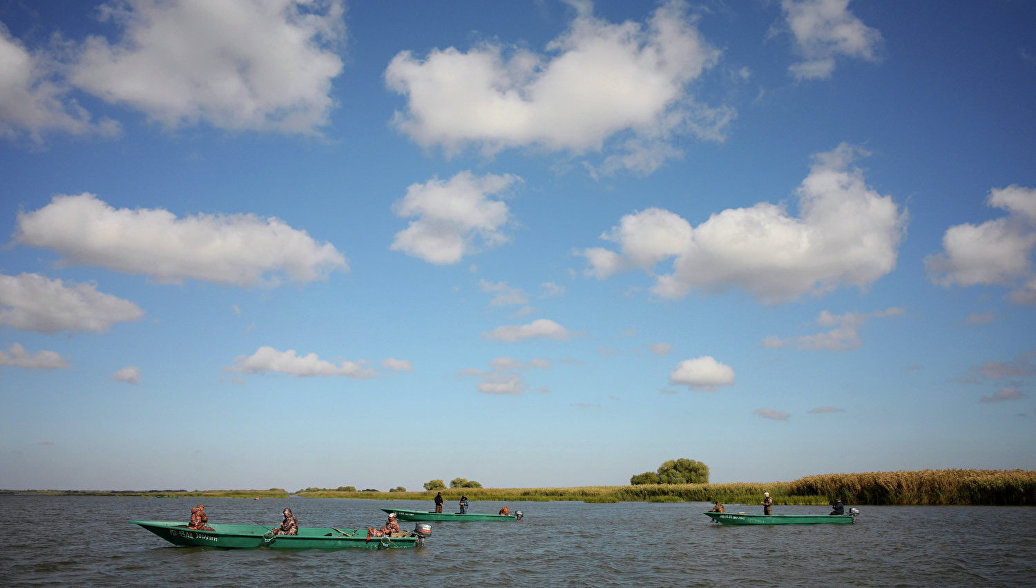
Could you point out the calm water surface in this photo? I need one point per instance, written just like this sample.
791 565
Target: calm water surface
88 541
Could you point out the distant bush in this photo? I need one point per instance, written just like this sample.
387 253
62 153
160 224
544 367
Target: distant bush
398 489
346 488
464 483
645 478
675 471
435 485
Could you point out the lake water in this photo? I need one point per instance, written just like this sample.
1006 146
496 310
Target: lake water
88 541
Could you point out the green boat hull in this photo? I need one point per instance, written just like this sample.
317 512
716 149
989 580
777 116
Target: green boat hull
424 515
739 518
256 536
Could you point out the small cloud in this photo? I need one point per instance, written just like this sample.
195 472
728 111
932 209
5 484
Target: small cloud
842 335
981 318
702 373
537 329
1003 394
825 410
269 360
128 374
551 290
660 348
397 365
772 414
506 375
504 294
453 218
17 356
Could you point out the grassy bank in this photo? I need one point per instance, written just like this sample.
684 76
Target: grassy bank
925 487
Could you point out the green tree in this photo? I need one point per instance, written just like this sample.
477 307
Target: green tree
464 483
683 471
675 471
398 489
645 478
435 485
346 488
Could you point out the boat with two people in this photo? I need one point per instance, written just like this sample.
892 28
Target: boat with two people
406 514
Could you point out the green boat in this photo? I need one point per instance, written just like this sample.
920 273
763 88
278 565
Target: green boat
254 536
405 514
740 518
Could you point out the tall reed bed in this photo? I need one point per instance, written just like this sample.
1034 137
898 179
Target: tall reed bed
968 487
991 487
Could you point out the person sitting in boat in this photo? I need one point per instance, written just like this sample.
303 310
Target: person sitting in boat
718 508
463 505
767 503
289 526
199 518
438 502
505 511
838 508
391 526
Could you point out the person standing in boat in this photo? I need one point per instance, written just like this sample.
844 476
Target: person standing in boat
289 526
199 518
438 502
767 503
463 505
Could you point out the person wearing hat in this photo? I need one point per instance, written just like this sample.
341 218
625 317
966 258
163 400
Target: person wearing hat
391 526
767 503
837 507
289 526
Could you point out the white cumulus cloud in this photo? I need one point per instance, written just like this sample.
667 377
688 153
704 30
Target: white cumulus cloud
846 234
453 218
825 30
996 252
269 360
238 249
598 81
702 373
34 97
251 65
17 356
31 302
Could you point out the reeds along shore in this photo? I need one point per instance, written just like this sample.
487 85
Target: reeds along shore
924 487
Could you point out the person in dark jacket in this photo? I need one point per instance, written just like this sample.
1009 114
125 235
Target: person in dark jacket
839 508
767 503
289 526
438 502
463 504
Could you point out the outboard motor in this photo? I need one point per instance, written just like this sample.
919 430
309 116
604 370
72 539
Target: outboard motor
517 515
422 531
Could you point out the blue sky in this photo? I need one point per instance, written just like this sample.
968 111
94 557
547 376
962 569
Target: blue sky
529 243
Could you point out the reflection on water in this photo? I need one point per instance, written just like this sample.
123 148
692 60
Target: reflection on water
88 541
